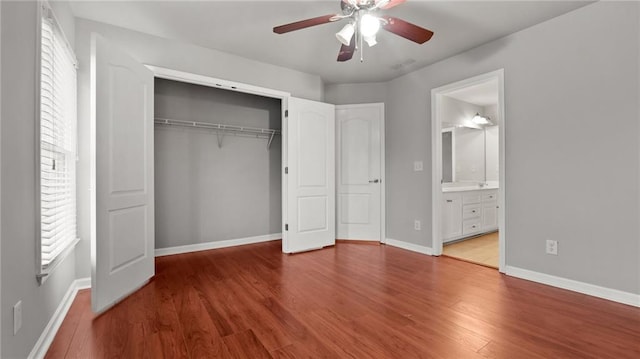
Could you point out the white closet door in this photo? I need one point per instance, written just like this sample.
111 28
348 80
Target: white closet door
122 227
310 194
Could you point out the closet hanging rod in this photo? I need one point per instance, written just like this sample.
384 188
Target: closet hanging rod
216 126
236 130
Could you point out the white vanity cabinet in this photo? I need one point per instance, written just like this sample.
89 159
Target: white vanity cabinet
490 211
451 215
468 213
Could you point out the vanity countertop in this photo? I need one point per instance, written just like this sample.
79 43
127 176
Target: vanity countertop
468 188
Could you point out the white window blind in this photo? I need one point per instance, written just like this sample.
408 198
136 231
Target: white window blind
58 121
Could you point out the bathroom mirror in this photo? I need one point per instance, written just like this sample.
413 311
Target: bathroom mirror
469 153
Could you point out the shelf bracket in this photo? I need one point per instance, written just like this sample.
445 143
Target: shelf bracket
271 139
220 137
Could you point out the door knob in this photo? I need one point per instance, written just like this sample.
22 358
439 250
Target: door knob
374 181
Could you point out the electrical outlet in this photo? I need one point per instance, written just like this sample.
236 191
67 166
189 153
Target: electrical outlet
416 225
418 166
552 247
17 317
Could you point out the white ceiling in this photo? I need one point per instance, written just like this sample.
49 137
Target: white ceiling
244 28
483 94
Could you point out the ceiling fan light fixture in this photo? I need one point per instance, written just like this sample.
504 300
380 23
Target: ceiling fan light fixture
371 40
382 3
369 25
344 35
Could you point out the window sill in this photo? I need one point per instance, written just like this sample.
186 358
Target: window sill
44 274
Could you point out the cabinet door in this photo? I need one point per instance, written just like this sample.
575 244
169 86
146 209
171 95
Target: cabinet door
490 217
451 216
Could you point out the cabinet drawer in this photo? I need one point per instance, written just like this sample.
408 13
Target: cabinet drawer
470 198
471 211
489 197
470 226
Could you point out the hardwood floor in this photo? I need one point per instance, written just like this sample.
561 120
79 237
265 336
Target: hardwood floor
481 250
348 301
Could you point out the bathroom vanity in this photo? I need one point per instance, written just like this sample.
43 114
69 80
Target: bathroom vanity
468 211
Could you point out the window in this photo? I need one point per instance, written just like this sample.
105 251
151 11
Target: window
57 138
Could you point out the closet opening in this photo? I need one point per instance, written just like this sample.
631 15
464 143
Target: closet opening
218 167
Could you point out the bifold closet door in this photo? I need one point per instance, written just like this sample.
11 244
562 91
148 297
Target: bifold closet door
310 176
122 218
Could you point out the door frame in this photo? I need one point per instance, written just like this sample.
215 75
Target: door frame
191 78
383 179
436 159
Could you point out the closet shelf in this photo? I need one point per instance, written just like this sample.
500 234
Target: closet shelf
222 129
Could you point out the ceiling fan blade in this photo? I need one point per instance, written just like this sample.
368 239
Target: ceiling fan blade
407 30
305 23
346 52
389 3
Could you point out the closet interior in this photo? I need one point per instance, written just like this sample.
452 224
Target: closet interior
218 159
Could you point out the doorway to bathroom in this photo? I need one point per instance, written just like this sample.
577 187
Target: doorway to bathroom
468 186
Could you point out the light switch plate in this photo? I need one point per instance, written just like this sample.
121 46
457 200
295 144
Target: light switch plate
418 166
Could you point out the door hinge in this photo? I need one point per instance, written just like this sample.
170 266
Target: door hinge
286 113
286 170
286 227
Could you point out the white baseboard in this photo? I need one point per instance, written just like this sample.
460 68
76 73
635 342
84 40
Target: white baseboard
409 246
573 285
46 338
215 245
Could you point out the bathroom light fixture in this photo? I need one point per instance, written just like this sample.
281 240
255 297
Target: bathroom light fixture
480 120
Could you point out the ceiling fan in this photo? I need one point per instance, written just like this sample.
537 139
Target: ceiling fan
363 25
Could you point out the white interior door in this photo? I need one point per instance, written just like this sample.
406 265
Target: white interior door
360 154
310 181
122 227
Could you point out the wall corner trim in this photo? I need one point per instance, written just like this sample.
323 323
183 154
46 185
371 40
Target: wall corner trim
48 334
409 246
576 286
159 252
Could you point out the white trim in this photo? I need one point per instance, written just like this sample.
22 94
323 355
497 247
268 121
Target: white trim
1 192
383 177
409 246
576 286
192 78
436 155
48 334
215 245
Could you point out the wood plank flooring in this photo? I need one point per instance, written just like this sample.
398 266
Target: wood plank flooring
347 301
481 250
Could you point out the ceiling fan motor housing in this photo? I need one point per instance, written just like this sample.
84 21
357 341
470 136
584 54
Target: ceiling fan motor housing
350 6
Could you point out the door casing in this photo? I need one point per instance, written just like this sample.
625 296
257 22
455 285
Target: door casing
436 159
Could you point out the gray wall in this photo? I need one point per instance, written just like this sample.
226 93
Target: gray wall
18 150
204 193
571 111
175 55
347 94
